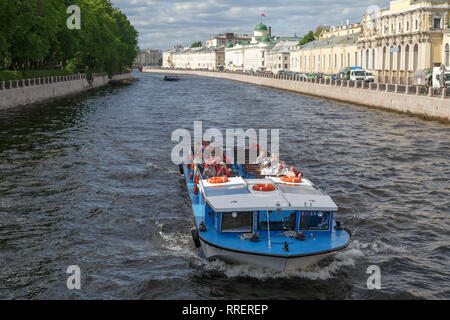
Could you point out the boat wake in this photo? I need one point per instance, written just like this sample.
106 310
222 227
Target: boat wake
180 244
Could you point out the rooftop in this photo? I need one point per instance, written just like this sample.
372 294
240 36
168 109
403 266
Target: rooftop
238 195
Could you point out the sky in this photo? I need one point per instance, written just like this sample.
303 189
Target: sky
164 23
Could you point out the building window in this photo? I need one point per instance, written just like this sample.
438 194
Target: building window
417 24
447 55
407 26
285 66
373 59
437 23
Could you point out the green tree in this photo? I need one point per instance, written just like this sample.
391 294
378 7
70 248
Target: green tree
307 38
34 35
196 44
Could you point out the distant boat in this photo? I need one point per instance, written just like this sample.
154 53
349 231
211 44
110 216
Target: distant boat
171 78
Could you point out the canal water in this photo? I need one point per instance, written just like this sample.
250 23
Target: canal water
87 180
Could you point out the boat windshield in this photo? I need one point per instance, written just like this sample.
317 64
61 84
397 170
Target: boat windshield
237 221
360 73
314 220
282 221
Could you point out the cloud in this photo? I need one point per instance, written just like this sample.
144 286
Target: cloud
163 23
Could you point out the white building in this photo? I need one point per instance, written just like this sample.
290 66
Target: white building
222 40
250 55
199 58
279 57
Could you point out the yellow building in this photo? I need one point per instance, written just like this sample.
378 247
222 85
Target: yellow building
409 36
335 50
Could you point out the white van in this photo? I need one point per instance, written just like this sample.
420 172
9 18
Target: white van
357 75
369 77
438 72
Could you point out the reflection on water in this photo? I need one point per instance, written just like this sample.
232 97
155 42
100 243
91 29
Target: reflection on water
87 180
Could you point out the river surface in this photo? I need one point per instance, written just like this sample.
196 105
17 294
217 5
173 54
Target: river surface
87 180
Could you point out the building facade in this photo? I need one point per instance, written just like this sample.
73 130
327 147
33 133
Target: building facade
199 58
148 57
223 39
408 37
334 51
167 56
279 57
250 55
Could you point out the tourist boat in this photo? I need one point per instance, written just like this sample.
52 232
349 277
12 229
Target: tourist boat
171 78
276 222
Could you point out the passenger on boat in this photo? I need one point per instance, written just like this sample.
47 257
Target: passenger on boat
210 171
212 156
293 173
267 170
279 170
274 160
262 158
223 171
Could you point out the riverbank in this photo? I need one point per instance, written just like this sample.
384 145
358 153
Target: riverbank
21 92
412 100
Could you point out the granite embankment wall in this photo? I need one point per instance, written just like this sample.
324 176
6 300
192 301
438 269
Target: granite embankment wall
20 92
416 100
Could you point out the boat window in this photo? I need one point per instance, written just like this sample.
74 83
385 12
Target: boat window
314 220
278 221
237 221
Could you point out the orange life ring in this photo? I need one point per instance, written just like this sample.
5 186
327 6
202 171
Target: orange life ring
291 179
196 179
217 180
264 187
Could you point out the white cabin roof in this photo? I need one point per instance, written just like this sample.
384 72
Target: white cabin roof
238 195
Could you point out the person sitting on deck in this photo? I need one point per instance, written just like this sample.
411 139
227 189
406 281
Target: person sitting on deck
293 173
210 171
279 170
267 170
223 171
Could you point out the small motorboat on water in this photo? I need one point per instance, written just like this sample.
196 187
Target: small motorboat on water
171 78
282 223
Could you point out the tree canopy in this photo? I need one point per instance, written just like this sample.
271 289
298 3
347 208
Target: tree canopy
34 35
196 44
307 38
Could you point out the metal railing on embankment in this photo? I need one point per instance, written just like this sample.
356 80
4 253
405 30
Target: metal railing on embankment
13 84
375 86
